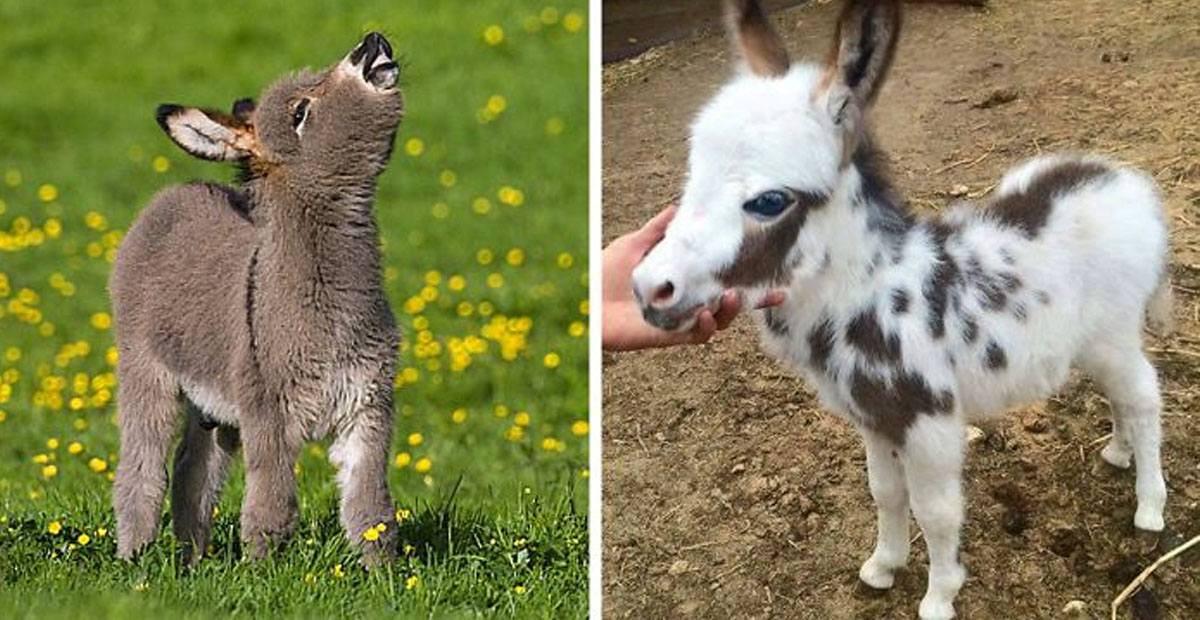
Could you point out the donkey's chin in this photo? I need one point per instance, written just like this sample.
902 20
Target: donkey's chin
673 320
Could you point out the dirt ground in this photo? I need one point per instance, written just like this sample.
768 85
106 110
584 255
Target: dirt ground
729 493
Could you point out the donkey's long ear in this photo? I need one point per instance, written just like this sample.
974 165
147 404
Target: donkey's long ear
760 45
208 134
866 38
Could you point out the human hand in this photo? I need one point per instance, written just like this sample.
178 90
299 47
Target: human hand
623 327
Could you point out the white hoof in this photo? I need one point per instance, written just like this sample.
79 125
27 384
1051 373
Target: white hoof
1149 518
875 574
936 609
1116 455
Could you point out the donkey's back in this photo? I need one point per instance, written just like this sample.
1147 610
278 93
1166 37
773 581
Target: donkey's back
178 279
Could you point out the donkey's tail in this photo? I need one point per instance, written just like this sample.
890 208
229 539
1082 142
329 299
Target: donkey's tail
1159 311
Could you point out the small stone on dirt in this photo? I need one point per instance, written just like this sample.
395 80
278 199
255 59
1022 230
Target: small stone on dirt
1034 423
678 567
959 191
997 98
975 435
737 469
1076 608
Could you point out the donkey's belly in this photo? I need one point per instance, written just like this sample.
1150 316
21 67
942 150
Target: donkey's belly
211 403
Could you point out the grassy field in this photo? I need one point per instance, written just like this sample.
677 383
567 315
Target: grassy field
484 219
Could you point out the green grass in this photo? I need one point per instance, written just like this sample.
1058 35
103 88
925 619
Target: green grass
497 523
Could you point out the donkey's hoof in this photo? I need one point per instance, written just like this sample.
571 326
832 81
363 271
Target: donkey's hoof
936 609
1117 456
1148 519
877 575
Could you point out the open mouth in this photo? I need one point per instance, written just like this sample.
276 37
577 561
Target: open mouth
373 57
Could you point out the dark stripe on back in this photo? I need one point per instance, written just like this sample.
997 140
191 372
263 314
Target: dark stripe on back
1029 209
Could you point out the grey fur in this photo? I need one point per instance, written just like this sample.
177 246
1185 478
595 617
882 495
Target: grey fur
261 308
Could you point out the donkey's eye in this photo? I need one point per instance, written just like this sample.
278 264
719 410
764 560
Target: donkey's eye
769 203
299 115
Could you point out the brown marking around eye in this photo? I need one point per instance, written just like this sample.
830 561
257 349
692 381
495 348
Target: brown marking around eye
762 256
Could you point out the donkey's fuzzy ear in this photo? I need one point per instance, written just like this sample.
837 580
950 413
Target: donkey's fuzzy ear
759 44
208 134
243 109
867 33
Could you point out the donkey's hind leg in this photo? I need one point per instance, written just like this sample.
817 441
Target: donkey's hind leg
200 465
1121 368
148 397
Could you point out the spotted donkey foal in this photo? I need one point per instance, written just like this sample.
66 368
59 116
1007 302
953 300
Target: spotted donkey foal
261 308
908 325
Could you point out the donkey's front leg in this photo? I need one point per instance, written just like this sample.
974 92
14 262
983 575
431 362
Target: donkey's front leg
888 488
933 456
269 510
360 452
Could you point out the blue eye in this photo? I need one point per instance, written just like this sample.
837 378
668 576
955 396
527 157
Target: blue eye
769 203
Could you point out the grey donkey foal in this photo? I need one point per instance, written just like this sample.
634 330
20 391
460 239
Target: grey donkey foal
259 310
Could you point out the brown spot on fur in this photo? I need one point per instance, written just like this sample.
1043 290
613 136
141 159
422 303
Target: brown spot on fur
820 344
995 357
761 47
762 257
900 301
890 409
1029 208
865 334
1043 297
970 329
944 276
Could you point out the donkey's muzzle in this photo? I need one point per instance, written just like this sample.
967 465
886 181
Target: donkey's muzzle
373 58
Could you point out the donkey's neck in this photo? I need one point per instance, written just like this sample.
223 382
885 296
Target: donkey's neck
863 229
325 243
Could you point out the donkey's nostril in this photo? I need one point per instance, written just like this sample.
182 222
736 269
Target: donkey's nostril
664 293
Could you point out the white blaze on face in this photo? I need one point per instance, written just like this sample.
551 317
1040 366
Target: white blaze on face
757 134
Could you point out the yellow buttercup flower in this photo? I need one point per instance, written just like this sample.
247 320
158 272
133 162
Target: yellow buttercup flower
414 147
423 465
572 22
83 539
519 589
161 164
412 582
459 416
551 360
50 471
47 193
402 460
101 320
493 35
580 427
415 439
75 447
98 464
54 527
